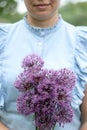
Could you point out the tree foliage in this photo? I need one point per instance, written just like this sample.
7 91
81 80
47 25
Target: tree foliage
75 13
8 11
7 6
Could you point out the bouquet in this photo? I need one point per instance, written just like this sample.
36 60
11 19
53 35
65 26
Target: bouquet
45 93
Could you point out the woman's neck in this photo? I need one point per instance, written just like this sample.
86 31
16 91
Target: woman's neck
43 23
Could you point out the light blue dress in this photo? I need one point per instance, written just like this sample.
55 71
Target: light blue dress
60 46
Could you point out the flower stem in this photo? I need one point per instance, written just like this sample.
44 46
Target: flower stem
53 127
35 120
36 128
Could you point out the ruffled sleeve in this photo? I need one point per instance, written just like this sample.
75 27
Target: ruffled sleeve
80 65
3 35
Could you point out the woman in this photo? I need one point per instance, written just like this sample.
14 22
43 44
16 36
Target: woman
60 44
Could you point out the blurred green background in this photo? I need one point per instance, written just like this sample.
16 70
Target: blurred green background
74 13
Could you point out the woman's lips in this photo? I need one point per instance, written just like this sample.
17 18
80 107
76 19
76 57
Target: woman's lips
42 6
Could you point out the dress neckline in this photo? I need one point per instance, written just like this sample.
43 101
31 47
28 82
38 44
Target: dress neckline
43 31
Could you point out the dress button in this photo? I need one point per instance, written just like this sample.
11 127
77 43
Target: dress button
39 43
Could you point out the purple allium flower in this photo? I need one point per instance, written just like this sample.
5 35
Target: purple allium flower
46 93
64 114
45 109
44 120
65 77
39 76
24 82
62 95
28 80
25 103
32 62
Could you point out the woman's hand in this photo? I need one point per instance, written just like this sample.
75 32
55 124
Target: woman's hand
84 126
84 111
3 127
